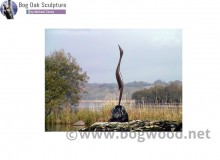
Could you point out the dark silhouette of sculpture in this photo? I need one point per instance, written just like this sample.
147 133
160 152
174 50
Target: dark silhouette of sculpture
119 113
8 11
118 76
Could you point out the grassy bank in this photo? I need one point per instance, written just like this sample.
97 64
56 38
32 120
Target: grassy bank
67 116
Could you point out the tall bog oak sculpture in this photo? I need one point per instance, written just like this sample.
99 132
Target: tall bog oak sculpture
8 11
119 113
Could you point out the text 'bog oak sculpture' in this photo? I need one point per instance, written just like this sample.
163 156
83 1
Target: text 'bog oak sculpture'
119 113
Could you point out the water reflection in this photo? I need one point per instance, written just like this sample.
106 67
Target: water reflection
61 127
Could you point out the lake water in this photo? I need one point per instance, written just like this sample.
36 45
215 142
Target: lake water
61 128
99 104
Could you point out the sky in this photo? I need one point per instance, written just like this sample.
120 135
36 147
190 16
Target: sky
149 54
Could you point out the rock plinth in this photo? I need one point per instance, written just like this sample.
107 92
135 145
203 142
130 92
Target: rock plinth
136 126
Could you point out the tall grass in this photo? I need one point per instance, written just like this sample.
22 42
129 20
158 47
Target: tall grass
65 116
154 112
134 113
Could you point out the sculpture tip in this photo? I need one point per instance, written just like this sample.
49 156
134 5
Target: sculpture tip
120 49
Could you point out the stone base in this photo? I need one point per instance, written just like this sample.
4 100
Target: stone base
119 114
135 126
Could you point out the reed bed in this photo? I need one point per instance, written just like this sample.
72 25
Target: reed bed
153 112
90 116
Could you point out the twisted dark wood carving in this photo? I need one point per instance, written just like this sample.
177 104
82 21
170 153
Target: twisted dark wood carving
118 76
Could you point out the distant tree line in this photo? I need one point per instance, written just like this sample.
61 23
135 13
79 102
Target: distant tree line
170 93
109 91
